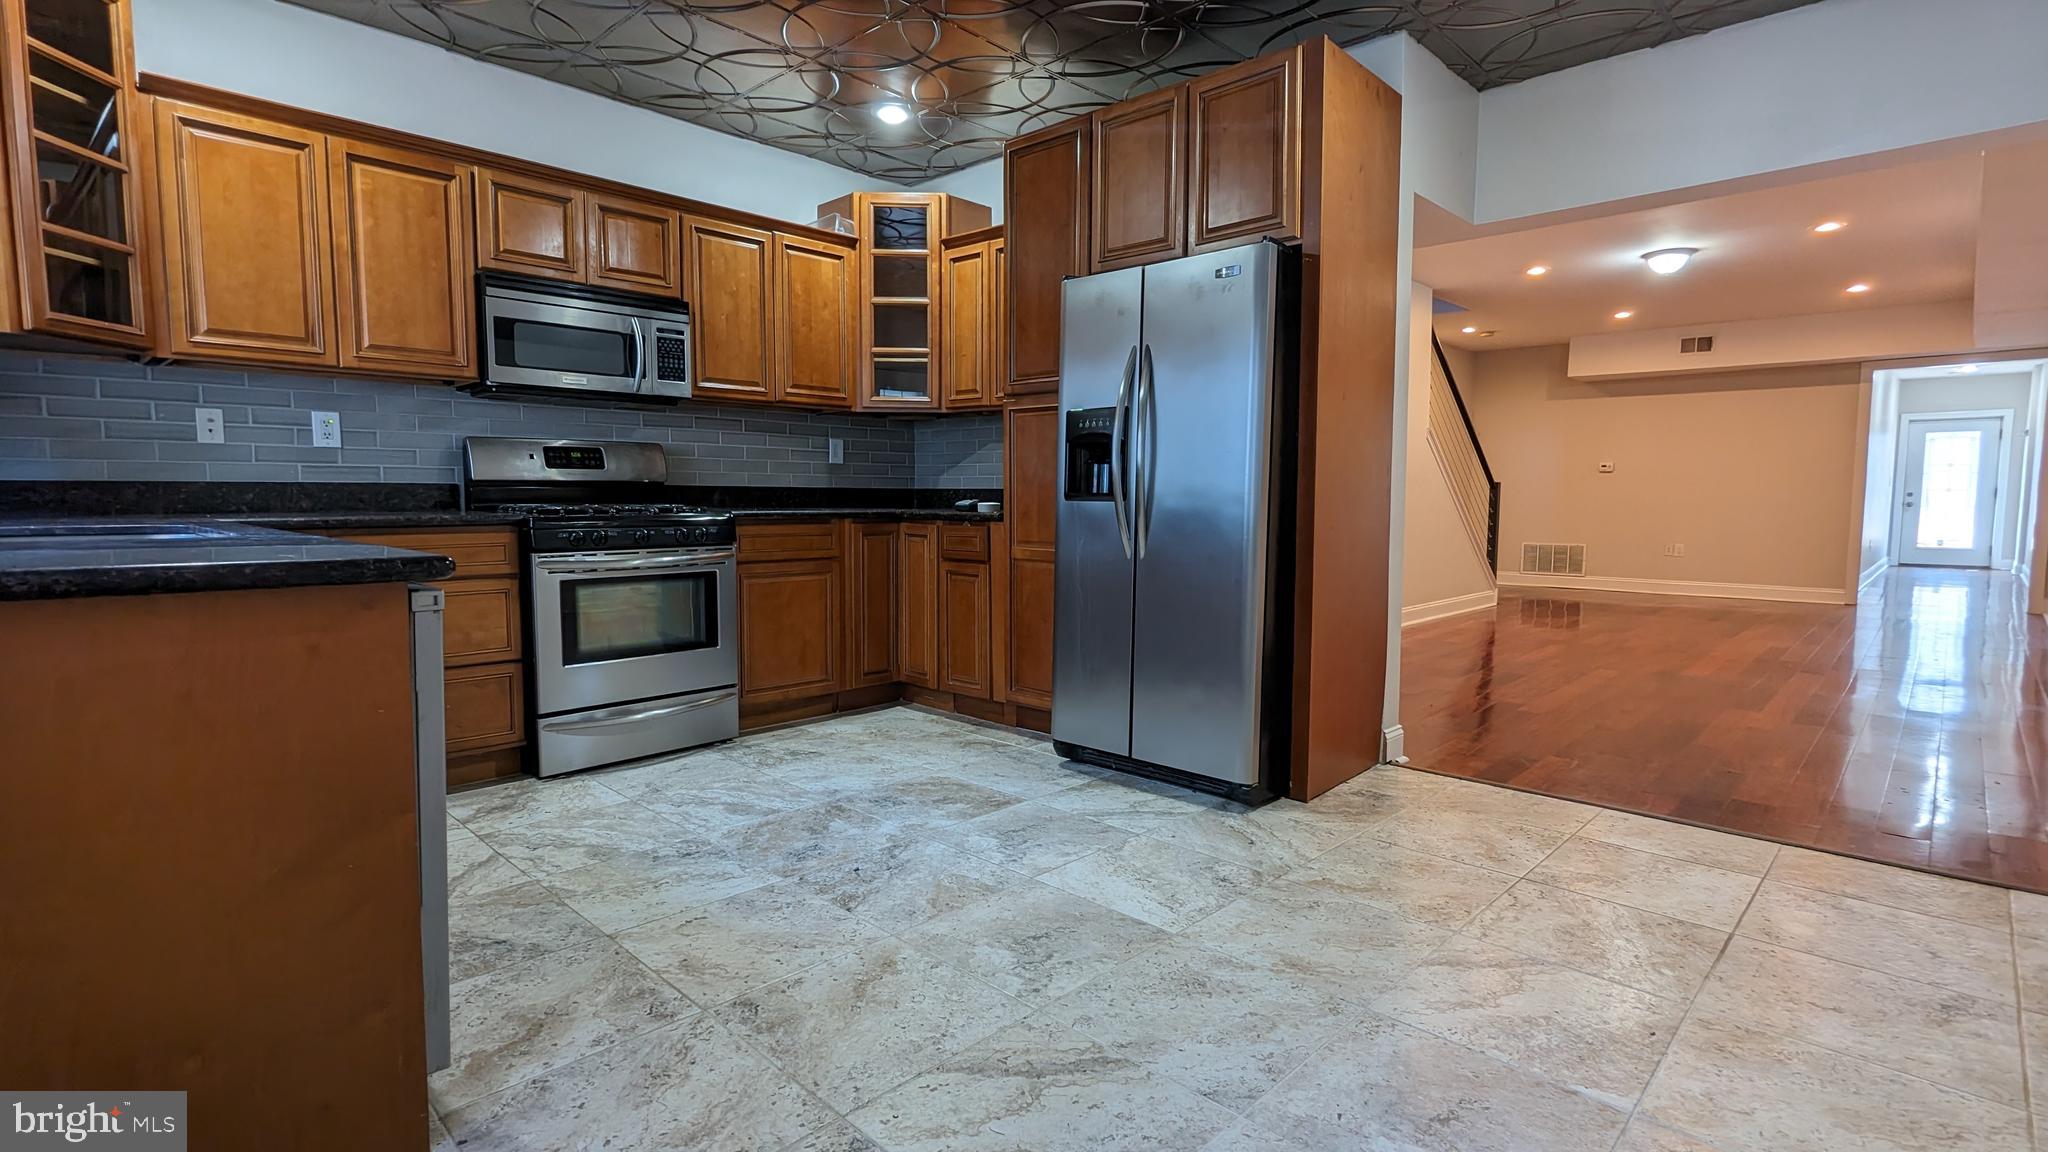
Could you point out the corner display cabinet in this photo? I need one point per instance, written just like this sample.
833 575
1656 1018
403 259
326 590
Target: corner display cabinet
74 172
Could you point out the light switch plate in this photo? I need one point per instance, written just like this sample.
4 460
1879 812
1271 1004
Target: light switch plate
326 430
209 424
835 450
1606 466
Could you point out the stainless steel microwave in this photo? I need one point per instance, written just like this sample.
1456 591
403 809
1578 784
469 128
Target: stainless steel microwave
567 339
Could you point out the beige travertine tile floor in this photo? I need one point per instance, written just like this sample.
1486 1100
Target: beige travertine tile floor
902 931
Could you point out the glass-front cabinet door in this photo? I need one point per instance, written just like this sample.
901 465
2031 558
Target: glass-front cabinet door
70 101
902 244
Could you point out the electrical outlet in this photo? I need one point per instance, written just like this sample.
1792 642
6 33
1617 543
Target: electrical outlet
1674 549
326 430
835 450
208 421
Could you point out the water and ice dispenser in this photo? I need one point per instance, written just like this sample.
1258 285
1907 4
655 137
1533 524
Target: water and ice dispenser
1089 453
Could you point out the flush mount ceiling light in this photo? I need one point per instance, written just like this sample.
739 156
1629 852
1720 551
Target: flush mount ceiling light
1468 330
1857 289
1827 226
1665 261
1536 269
1964 368
891 113
1623 314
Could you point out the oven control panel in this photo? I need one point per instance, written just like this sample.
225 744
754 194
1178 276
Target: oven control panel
713 532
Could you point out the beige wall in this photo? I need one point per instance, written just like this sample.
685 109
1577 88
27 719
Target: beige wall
1751 471
1441 572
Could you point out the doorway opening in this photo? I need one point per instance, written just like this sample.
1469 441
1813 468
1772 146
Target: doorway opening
1962 442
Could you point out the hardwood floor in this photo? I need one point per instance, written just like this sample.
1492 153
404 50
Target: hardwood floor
1911 728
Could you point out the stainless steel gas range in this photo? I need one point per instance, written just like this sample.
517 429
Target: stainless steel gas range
632 600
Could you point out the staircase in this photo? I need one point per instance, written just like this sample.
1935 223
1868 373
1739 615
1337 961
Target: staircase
1456 444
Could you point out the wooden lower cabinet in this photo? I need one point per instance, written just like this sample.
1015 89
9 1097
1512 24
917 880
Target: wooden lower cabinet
963 611
482 647
871 596
1031 436
789 629
917 644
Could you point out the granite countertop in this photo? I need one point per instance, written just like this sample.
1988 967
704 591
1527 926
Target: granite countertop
440 518
864 514
50 558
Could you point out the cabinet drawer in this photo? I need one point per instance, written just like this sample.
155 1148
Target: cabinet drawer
486 706
476 551
963 542
804 540
480 624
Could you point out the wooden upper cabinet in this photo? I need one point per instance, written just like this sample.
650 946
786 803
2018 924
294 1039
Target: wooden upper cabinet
1244 130
1045 197
77 174
529 225
729 268
401 260
633 245
967 369
245 236
1139 181
817 321
999 330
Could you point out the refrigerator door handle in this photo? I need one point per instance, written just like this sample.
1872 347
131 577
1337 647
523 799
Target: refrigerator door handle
1117 495
1146 465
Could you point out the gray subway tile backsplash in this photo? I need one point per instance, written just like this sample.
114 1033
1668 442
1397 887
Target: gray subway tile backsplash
85 418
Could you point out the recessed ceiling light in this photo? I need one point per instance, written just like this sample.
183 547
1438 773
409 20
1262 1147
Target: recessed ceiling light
1665 261
1857 288
1486 333
1537 269
1830 226
1623 314
891 113
1468 330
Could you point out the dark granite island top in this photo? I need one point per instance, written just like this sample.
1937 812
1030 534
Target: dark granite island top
122 556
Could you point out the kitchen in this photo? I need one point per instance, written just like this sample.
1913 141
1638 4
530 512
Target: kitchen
659 473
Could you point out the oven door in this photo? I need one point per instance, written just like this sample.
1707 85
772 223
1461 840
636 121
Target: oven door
532 341
617 627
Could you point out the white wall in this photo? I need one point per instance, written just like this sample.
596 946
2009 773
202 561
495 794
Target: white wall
2008 392
1837 79
295 56
982 182
1442 572
1880 466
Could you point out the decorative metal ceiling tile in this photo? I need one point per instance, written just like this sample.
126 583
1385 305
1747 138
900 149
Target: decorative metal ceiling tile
806 75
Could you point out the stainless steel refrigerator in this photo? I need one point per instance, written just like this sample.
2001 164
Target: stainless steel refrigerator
1170 597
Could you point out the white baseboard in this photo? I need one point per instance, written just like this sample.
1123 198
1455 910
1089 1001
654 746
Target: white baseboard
1455 605
1873 572
1393 743
1677 588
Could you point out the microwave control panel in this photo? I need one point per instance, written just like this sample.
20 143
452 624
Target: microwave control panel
672 355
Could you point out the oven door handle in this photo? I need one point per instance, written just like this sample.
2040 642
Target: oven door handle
656 564
613 717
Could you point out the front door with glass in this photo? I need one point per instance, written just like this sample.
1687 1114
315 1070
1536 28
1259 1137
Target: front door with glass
1948 490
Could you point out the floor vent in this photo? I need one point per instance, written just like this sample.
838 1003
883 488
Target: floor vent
1554 559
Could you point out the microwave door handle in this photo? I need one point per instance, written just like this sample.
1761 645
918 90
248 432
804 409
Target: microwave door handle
641 337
